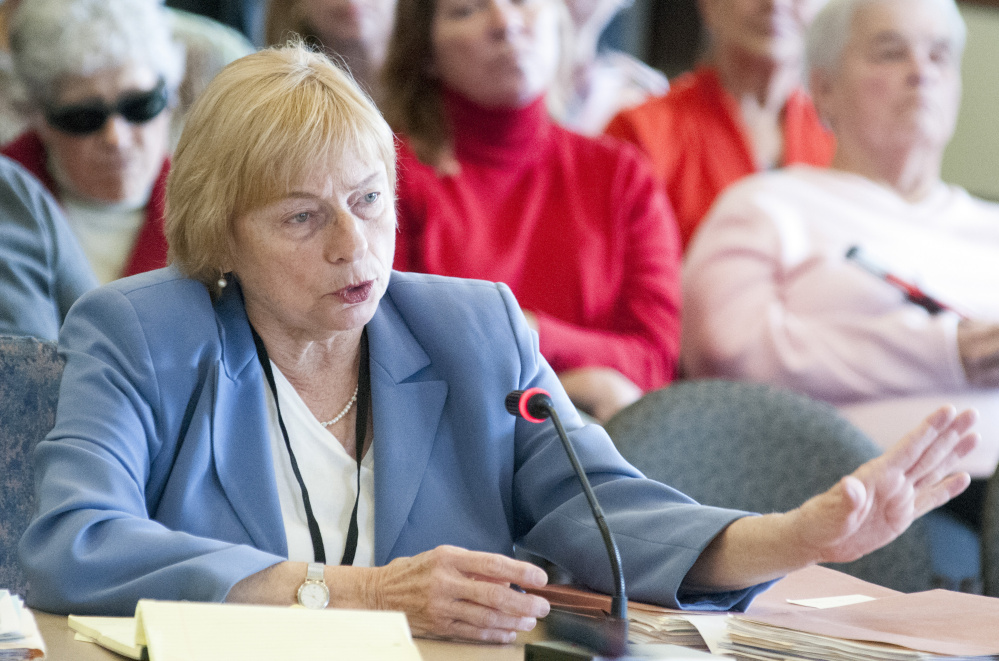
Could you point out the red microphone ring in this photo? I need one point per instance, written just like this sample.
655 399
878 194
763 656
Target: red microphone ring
526 397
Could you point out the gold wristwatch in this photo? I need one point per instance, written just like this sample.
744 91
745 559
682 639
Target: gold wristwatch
313 593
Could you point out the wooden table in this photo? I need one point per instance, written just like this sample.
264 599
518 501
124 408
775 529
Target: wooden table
59 639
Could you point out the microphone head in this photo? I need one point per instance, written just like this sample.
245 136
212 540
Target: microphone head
531 404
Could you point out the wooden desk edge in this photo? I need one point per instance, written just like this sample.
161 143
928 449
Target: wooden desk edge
62 646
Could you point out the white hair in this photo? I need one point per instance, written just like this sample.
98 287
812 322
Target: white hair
54 39
830 31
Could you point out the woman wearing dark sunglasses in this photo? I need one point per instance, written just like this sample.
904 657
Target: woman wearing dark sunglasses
100 78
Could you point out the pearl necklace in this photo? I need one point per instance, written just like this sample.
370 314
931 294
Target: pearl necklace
345 411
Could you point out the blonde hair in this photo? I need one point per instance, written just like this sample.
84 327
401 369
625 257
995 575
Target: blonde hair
259 126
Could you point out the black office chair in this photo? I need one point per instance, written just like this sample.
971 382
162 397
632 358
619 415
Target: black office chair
990 538
30 371
753 447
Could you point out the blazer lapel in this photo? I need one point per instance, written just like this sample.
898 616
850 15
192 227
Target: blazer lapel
407 409
240 445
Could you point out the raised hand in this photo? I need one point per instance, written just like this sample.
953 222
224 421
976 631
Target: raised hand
878 501
861 513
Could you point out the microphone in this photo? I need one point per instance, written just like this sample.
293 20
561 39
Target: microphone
533 404
608 637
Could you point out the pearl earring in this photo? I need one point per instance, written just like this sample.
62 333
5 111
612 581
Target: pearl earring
222 281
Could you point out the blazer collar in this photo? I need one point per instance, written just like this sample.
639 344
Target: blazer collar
240 446
407 401
238 350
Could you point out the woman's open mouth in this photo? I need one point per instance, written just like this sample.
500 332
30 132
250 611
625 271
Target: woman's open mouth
353 294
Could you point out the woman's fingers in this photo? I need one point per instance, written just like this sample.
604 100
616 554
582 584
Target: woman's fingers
922 449
495 567
476 619
908 450
502 599
454 592
466 631
941 449
486 618
948 464
933 497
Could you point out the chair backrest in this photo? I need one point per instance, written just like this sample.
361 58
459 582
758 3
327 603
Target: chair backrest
757 448
30 371
990 537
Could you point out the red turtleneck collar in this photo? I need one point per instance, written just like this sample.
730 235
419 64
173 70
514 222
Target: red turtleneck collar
500 137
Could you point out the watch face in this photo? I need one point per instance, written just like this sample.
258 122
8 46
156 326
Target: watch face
313 595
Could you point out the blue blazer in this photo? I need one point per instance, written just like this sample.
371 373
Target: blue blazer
157 480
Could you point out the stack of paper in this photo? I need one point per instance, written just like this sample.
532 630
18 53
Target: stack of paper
646 623
115 633
646 626
19 637
927 625
698 629
188 631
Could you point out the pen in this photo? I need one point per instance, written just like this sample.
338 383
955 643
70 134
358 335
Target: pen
913 294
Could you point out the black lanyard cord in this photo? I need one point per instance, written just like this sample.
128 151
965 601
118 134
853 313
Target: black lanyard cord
361 430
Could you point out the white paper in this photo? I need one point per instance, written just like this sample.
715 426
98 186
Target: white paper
10 617
832 602
712 629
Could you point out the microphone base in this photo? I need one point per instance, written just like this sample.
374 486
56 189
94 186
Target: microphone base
605 636
551 651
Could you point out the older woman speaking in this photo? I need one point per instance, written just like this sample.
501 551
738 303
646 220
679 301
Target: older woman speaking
771 295
280 416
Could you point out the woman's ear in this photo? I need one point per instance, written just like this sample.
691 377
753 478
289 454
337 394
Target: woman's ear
821 86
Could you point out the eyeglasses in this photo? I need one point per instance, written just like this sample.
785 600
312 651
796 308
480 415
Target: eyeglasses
89 117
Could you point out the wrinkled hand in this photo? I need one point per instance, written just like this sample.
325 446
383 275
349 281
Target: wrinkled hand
455 593
877 502
600 391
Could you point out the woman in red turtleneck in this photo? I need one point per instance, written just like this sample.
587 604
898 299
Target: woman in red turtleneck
491 188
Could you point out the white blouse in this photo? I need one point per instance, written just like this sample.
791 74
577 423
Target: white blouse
330 475
107 233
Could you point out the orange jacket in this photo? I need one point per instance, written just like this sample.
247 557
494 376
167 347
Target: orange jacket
698 145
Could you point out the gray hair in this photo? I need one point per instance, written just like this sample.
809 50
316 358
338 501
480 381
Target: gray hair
830 31
54 39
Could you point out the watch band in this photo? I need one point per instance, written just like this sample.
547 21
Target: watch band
313 593
315 572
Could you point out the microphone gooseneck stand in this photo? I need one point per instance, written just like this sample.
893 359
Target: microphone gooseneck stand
607 636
